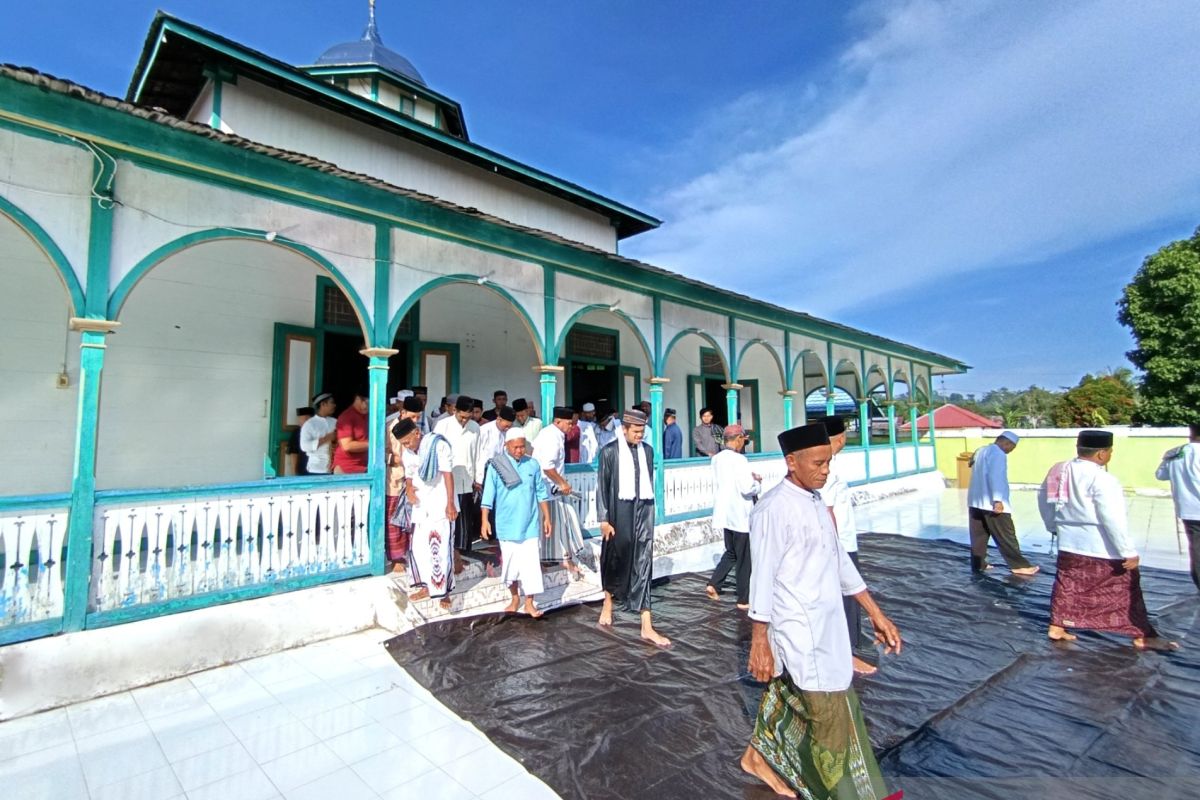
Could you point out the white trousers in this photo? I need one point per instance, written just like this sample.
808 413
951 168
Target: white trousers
522 563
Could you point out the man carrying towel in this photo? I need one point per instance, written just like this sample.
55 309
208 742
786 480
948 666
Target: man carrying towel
516 491
625 510
430 476
549 449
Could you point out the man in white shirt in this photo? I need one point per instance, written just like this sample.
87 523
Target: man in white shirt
989 508
318 435
1181 466
735 486
491 440
430 488
463 435
589 436
1097 586
549 450
840 501
809 736
525 419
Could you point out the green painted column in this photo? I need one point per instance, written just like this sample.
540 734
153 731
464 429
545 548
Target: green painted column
891 411
789 397
660 465
864 433
731 401
549 391
377 371
916 437
932 439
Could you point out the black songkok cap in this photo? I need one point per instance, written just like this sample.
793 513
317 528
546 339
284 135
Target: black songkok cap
633 417
506 413
670 412
413 405
834 425
804 437
403 428
421 390
563 412
1097 440
476 404
463 403
520 405
364 392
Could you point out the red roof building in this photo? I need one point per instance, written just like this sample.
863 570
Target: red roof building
950 416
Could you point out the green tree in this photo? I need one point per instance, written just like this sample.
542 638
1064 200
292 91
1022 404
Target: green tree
1098 400
1161 307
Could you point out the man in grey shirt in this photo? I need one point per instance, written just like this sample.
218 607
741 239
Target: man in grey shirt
706 437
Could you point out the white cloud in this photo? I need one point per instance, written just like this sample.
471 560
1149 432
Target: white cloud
950 137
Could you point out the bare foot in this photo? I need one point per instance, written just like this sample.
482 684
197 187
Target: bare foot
398 567
458 563
712 593
655 638
419 594
1058 633
511 608
754 764
606 612
864 667
1155 643
1026 571
445 603
531 609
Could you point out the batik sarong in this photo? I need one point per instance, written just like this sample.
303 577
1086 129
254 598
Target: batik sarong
1098 594
431 555
817 743
397 535
566 535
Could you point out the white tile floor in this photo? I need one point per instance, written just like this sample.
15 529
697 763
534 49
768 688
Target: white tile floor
340 719
337 719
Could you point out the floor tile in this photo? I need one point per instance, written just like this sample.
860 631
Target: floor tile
309 697
388 704
220 676
264 719
213 765
30 740
484 770
362 742
418 721
337 721
168 698
448 744
50 774
103 714
183 743
157 784
39 761
432 785
118 754
275 668
272 743
301 767
392 767
236 701
252 784
524 786
22 724
373 683
184 720
343 785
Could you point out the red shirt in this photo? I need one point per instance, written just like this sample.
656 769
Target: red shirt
351 425
572 445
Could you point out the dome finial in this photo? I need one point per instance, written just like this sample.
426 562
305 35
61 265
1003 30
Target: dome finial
372 32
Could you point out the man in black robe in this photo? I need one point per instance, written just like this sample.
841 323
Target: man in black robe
625 509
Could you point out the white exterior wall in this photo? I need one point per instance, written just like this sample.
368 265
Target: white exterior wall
495 348
187 377
758 364
683 361
194 205
59 177
676 318
201 110
265 115
572 293
39 436
420 259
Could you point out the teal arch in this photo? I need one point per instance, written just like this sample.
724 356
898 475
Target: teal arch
902 374
883 380
799 359
562 339
66 272
857 376
687 332
920 387
446 280
123 290
783 381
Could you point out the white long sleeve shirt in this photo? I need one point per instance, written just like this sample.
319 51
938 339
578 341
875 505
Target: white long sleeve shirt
801 572
989 479
1093 521
1181 466
840 500
491 444
463 441
319 455
550 449
589 441
734 490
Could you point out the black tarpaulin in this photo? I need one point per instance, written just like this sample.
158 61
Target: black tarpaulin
979 705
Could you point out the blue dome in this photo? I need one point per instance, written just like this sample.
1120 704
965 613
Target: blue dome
370 50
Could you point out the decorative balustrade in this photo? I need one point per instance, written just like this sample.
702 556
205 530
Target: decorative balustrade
906 459
151 549
582 478
687 486
32 558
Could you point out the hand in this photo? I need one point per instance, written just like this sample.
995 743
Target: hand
756 476
762 662
477 487
886 633
547 528
564 488
485 529
998 507
451 512
1131 563
607 531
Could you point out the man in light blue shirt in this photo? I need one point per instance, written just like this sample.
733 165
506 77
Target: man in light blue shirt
516 492
1181 466
990 509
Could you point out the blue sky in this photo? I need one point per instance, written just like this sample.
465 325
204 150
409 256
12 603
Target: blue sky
977 178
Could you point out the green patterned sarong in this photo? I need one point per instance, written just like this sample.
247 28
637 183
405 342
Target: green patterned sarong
817 743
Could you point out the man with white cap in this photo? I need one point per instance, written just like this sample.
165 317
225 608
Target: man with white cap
589 434
318 434
990 508
514 490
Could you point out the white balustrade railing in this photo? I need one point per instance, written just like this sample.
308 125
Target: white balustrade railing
927 456
772 470
687 487
156 550
881 463
31 565
583 494
906 457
